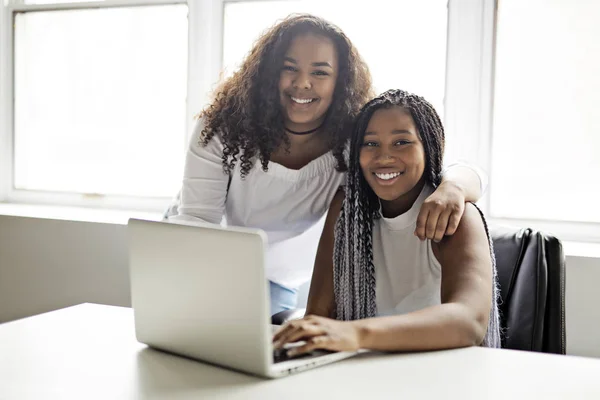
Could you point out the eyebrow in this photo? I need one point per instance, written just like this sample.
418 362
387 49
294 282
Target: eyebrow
395 132
315 64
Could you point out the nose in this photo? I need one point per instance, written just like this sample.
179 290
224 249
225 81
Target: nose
384 157
302 81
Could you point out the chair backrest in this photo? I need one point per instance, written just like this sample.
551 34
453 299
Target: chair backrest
531 275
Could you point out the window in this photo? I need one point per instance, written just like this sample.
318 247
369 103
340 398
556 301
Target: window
106 112
545 126
99 100
95 108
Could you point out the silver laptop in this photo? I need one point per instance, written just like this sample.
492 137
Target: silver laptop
201 292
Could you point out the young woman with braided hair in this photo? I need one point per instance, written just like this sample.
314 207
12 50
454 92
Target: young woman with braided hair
386 289
268 151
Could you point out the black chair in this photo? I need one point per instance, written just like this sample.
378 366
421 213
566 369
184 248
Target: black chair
531 276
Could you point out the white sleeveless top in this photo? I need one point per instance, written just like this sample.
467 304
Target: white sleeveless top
289 205
408 276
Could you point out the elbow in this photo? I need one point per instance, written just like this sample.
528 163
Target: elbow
475 329
472 327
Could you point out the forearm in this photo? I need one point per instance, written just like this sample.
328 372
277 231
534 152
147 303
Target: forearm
444 326
465 179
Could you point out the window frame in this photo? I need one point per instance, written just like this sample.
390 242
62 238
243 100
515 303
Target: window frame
10 194
468 116
470 107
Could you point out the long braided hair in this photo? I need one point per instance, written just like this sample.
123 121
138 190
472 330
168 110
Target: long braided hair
354 272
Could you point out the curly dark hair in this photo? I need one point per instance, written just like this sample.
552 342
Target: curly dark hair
246 110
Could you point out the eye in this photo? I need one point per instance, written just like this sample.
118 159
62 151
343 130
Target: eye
402 142
320 73
369 143
289 68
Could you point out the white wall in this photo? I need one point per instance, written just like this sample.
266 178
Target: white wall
49 264
583 306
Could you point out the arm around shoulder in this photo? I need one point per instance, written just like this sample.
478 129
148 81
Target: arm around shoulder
469 178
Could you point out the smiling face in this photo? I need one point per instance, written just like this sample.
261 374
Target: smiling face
307 81
392 159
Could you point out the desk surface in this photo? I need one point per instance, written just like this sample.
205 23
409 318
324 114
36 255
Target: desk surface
90 352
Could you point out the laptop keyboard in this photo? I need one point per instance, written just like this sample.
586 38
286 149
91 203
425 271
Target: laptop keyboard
280 355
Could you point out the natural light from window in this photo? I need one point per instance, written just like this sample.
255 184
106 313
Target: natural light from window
100 100
546 126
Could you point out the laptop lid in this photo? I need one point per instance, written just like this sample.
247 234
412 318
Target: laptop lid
201 292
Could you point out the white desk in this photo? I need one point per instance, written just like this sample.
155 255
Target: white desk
90 352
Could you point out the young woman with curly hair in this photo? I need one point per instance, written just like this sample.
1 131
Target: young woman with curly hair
268 152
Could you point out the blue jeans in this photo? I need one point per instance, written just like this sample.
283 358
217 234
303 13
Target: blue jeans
282 298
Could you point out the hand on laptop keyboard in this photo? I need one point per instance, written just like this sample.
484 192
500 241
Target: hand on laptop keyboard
280 355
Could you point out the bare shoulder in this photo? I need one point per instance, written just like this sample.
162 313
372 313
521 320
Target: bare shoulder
471 222
469 236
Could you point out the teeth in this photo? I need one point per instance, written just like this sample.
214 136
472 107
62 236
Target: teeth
302 101
386 177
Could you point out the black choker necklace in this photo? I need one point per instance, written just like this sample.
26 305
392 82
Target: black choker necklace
304 133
